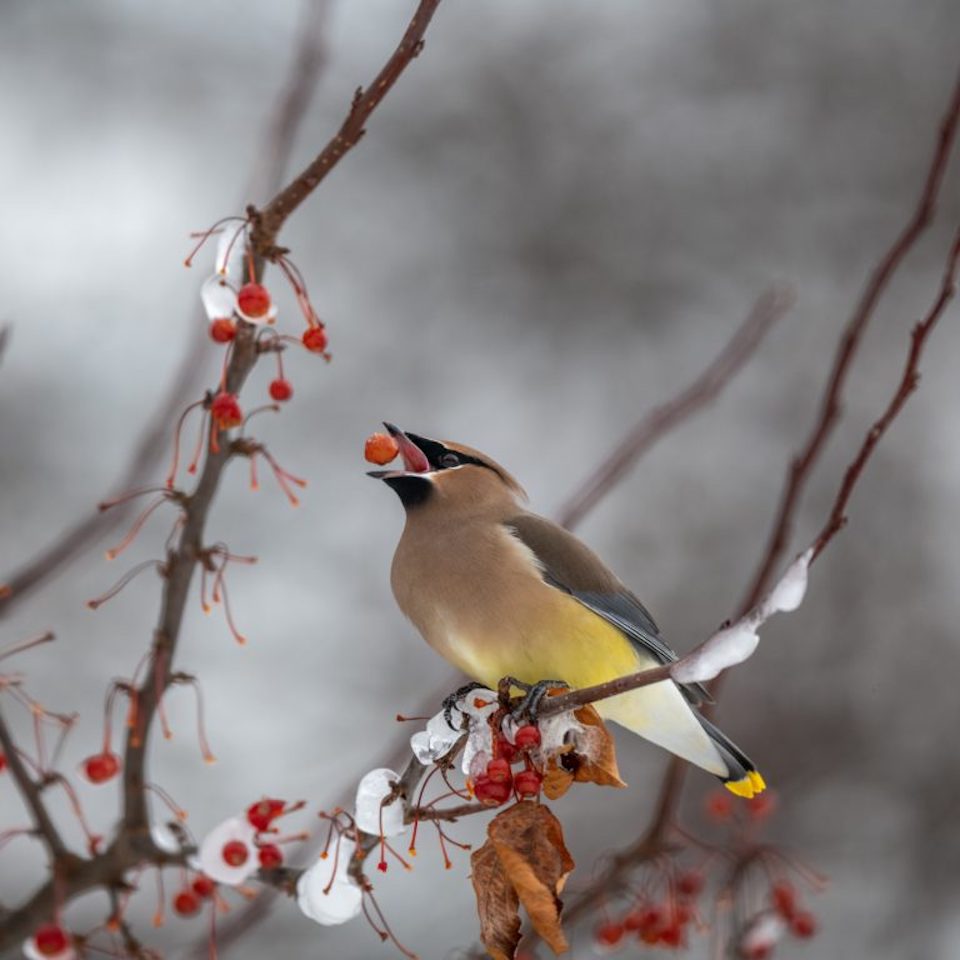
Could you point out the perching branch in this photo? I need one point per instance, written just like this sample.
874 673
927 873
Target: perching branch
662 419
268 221
802 464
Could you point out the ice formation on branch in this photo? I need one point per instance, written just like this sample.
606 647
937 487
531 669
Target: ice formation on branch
228 854
735 643
371 814
325 892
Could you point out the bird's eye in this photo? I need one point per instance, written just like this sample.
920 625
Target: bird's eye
449 460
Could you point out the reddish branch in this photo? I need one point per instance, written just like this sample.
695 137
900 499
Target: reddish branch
802 465
268 221
132 844
659 421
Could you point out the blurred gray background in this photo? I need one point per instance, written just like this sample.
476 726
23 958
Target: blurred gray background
555 221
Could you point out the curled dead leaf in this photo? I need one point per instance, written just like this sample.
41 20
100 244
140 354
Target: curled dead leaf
601 765
524 861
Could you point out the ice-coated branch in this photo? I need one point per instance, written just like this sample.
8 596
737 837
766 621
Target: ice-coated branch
831 401
800 469
268 221
661 420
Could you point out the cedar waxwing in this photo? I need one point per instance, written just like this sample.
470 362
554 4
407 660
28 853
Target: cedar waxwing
499 591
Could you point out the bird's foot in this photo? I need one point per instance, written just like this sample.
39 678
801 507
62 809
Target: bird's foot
450 703
529 706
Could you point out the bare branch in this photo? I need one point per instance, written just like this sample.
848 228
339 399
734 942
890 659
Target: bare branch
30 792
831 403
267 222
659 421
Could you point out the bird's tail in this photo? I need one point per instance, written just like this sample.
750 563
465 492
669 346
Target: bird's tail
742 776
661 714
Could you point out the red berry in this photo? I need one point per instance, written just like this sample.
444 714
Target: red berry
672 935
101 767
490 793
756 951
203 886
610 934
380 449
262 813
527 783
51 939
690 883
647 922
719 805
235 853
682 914
281 390
270 855
222 330
498 771
3 762
225 410
762 805
803 925
186 903
784 899
502 747
527 737
315 338
253 300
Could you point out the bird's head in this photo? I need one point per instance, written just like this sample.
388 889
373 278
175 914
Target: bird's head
443 473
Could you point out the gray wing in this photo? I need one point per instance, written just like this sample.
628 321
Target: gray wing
571 566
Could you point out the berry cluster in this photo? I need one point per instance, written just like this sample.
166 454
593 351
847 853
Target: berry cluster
657 923
498 782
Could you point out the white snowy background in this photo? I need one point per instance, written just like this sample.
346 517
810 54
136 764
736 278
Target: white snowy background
556 219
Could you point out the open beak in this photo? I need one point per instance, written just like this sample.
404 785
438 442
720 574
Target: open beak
414 459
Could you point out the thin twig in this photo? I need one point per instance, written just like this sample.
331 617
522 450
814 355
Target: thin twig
133 844
30 792
662 419
801 465
268 221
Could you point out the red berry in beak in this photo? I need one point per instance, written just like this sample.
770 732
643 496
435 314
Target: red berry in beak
380 449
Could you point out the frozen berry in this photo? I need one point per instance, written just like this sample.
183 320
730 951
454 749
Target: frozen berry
690 883
490 793
186 903
380 449
51 939
527 783
262 813
527 737
609 934
281 390
235 853
803 924
253 300
315 339
225 410
203 886
499 771
504 748
222 330
270 855
784 899
101 767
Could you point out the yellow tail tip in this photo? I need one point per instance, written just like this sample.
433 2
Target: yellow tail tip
749 786
759 784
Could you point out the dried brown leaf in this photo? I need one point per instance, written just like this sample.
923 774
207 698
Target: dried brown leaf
497 903
556 780
528 839
601 767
